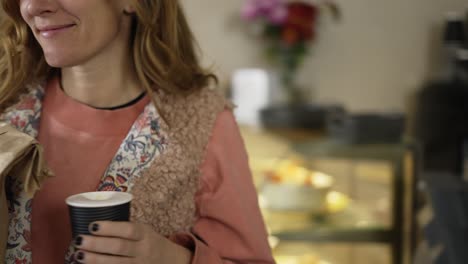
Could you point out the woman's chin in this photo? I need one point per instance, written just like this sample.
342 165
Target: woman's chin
60 61
56 63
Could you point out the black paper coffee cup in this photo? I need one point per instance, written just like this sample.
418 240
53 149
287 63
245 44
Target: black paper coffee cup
86 208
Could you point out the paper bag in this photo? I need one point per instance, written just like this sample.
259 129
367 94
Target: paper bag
21 157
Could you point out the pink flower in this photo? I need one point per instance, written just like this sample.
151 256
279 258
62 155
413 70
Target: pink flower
278 15
250 10
267 5
273 10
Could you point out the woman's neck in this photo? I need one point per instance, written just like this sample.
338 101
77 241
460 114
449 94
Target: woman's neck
100 85
106 80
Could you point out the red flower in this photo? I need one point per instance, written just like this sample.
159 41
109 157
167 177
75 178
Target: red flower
300 23
27 104
120 179
21 261
27 237
111 183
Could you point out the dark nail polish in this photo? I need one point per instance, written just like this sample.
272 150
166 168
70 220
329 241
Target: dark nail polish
80 256
78 240
95 227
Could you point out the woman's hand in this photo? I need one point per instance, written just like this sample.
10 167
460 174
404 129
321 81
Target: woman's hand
126 242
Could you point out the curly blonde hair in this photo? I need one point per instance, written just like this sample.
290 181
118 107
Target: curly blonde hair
164 51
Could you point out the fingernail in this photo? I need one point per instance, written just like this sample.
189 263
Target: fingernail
95 227
80 256
78 240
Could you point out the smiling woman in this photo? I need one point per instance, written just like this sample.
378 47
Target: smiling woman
114 92
162 50
71 37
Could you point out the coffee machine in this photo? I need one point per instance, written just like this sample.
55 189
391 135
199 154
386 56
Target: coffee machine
441 127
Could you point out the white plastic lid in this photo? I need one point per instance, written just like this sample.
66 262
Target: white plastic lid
98 199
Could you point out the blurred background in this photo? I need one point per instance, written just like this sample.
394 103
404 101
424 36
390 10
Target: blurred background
355 118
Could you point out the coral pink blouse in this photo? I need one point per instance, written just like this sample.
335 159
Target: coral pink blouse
229 228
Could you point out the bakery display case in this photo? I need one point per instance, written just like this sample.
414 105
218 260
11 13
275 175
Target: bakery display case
331 202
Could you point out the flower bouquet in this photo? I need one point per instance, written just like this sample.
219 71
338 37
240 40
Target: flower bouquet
288 30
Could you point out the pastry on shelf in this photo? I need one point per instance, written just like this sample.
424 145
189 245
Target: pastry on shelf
292 172
292 187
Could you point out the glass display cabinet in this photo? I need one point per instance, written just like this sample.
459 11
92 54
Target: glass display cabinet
330 202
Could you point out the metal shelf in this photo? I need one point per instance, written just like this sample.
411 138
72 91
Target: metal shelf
352 235
339 149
